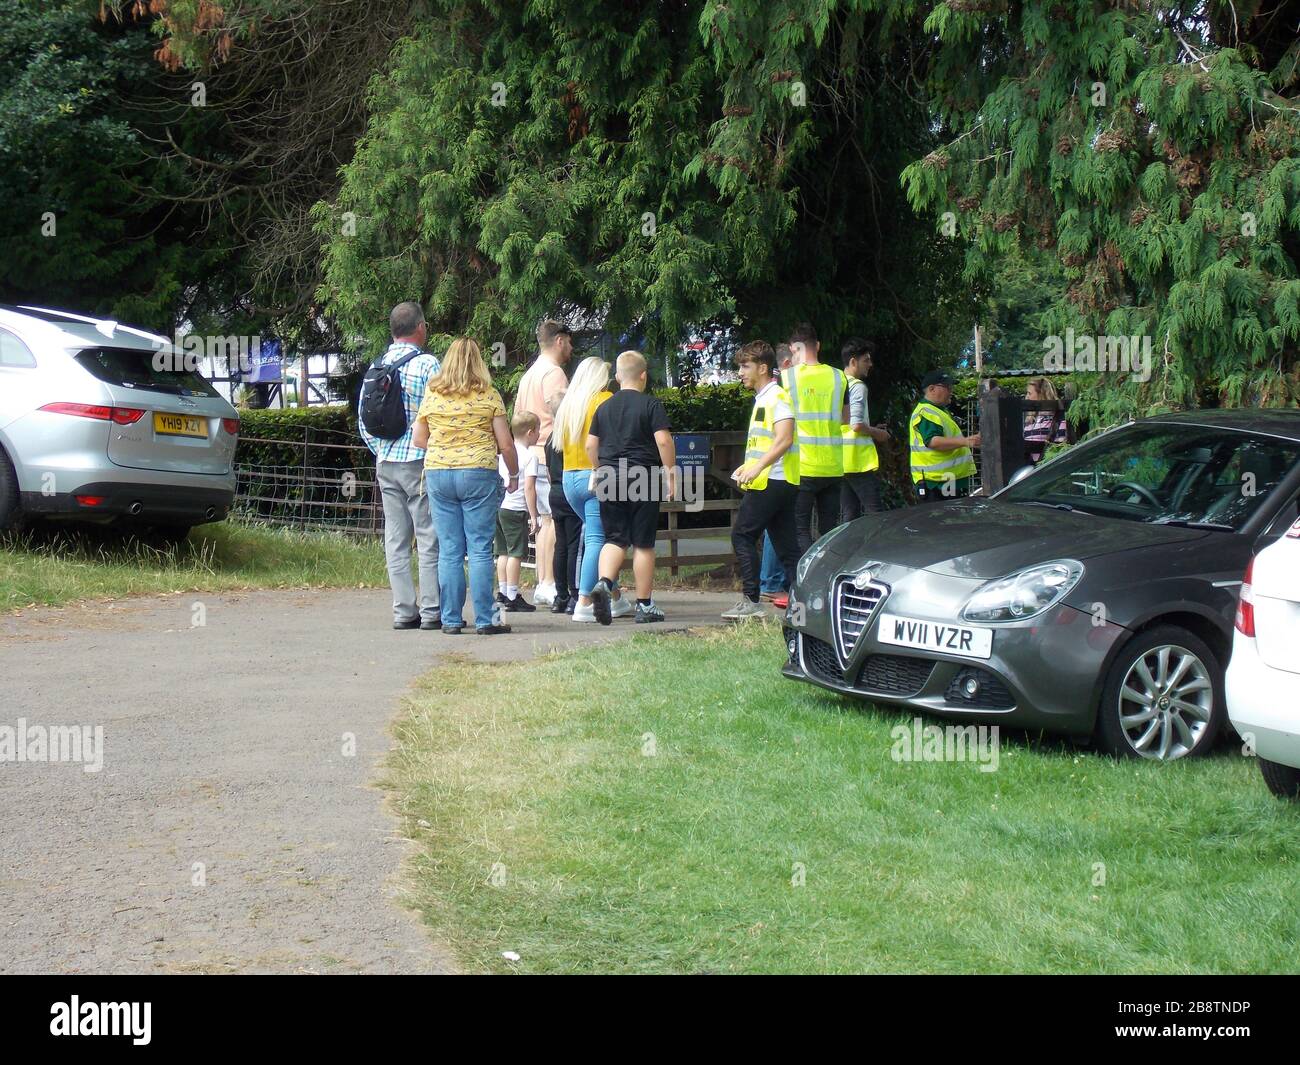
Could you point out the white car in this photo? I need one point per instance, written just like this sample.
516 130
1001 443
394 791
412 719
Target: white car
1263 677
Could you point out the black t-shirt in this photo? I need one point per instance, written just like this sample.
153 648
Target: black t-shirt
626 424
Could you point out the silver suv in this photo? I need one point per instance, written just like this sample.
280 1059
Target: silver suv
97 425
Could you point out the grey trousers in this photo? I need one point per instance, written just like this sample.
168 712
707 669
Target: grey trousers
407 518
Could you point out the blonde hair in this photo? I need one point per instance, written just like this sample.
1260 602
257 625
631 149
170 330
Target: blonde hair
1046 390
523 423
462 371
571 418
631 365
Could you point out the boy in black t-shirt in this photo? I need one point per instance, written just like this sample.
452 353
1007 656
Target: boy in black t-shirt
632 458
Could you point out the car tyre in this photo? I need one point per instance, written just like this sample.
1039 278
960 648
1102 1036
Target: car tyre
11 507
1163 697
1282 780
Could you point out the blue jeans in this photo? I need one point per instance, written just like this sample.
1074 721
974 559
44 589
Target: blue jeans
587 507
772 578
465 504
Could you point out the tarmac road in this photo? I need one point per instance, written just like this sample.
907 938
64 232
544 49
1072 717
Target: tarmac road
234 825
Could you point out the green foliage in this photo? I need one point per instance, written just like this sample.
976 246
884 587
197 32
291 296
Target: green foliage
81 100
1159 165
707 408
594 160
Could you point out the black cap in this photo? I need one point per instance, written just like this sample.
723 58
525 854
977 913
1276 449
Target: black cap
935 377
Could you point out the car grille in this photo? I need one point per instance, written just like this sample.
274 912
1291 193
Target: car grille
895 674
820 660
853 610
992 694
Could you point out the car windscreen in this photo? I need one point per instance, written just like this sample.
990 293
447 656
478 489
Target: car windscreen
143 370
1165 474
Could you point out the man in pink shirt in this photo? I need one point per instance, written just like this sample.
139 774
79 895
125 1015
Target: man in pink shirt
540 391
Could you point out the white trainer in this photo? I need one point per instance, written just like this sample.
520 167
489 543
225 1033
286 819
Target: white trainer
620 607
585 614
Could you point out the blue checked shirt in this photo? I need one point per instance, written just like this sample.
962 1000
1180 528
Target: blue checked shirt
415 379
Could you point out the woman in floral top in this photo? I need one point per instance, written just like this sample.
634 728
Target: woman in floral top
462 426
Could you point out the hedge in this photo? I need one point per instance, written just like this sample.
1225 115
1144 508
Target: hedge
334 424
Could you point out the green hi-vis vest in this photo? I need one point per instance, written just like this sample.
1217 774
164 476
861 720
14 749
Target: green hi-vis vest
762 431
859 452
817 398
933 466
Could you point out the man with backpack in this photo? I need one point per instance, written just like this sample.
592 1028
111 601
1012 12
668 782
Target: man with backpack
390 397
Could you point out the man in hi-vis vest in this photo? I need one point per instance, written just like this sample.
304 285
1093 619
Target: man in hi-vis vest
942 463
817 394
861 492
769 477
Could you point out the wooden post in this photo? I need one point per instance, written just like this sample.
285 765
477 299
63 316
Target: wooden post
1002 438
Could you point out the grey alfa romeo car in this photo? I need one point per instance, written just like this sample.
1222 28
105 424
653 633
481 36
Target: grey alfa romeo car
1094 596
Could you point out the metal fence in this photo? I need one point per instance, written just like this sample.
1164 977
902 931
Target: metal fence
330 488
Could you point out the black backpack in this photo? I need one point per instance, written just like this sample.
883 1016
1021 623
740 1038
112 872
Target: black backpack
383 408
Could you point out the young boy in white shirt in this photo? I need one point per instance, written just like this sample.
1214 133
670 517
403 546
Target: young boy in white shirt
517 516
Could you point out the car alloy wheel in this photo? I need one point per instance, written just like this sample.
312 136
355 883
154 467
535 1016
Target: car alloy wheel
1163 697
1166 702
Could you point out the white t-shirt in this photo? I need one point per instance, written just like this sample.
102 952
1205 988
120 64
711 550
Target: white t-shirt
781 410
527 468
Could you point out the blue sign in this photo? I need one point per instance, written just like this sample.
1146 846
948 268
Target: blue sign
692 450
265 365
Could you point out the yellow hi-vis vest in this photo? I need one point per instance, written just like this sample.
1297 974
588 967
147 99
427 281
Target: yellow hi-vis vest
929 465
817 398
762 431
859 452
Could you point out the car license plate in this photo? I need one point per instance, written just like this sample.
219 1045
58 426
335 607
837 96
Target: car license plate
179 425
925 635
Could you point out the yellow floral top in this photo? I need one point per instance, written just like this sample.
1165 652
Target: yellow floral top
460 430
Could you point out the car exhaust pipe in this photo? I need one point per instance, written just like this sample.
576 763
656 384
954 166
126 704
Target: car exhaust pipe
135 508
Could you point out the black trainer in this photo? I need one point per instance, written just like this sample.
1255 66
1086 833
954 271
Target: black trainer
600 597
432 623
519 604
560 606
414 623
492 630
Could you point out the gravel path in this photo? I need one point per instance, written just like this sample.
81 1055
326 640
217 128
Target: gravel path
234 826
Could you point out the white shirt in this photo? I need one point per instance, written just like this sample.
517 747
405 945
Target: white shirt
781 411
527 468
858 403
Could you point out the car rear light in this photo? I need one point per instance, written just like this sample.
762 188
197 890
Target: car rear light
1294 531
1246 604
80 410
121 415
230 425
90 501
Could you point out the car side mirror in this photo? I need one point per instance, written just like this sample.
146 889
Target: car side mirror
1020 475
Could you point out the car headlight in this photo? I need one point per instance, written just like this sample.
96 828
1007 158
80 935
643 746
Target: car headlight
1026 593
813 554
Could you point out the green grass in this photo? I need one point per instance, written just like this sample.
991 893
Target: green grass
684 861
48 567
